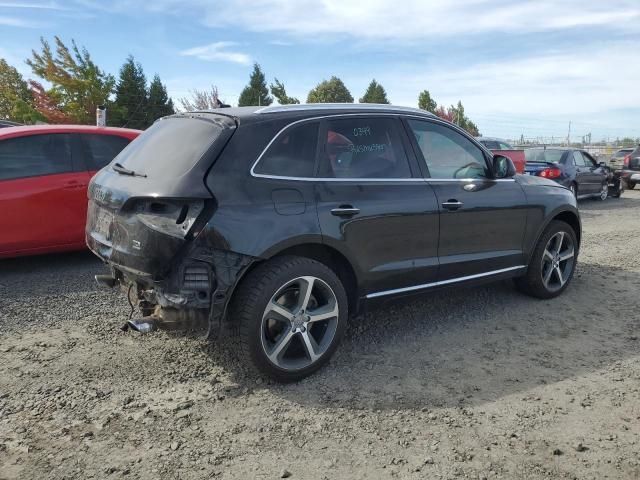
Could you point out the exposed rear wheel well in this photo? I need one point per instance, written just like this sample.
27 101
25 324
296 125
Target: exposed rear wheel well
327 256
335 261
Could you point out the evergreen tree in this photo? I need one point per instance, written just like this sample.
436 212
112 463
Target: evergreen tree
13 89
278 91
256 93
330 91
78 86
425 102
375 94
130 106
158 103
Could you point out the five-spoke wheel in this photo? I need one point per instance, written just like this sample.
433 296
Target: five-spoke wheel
553 262
291 313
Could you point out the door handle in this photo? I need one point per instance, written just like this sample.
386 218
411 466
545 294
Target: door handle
73 184
452 204
345 211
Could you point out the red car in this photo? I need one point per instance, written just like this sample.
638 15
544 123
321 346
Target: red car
44 174
501 147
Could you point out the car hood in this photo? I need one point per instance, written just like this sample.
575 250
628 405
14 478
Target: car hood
536 181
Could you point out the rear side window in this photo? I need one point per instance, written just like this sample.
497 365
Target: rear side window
447 153
101 149
363 148
292 154
35 155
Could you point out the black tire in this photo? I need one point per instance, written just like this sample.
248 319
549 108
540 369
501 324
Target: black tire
631 185
619 190
532 283
250 303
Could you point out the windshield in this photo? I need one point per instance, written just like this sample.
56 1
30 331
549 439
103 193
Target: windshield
543 155
172 146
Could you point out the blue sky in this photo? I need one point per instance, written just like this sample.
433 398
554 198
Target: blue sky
519 67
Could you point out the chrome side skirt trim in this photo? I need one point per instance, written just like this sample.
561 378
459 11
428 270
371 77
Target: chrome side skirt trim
443 282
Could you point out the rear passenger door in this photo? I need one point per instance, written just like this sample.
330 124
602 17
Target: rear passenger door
373 205
482 220
41 194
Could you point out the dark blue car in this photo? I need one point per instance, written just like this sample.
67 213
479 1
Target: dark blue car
572 168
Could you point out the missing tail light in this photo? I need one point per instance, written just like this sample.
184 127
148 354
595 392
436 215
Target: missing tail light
552 172
172 217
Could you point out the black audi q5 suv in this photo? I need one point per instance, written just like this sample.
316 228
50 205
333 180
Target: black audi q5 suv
279 222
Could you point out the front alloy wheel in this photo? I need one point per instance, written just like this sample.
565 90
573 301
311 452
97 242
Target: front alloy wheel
557 261
552 263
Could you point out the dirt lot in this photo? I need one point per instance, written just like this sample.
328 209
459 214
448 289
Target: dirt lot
477 383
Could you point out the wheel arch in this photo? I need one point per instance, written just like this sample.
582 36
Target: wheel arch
570 217
320 252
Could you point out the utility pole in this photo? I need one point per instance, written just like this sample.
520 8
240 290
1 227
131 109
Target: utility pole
569 135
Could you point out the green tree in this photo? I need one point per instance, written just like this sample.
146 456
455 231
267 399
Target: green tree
278 91
77 84
375 93
130 106
330 91
256 93
13 89
458 117
158 103
425 102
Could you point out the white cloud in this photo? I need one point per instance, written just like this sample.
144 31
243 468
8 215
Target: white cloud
408 20
18 22
33 5
218 51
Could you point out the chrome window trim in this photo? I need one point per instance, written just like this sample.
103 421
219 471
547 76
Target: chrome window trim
442 282
426 116
341 106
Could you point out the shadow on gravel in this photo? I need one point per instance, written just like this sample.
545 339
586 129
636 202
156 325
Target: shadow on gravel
470 346
53 274
626 201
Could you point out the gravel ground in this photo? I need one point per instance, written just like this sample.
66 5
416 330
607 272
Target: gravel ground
474 383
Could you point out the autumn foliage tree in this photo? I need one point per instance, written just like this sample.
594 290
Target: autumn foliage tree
47 106
77 84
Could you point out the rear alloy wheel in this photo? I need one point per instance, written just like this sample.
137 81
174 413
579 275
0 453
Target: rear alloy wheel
292 313
553 262
604 191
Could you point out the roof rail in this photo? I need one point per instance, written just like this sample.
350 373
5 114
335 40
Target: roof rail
339 106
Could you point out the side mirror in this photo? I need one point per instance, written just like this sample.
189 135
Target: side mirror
603 164
503 167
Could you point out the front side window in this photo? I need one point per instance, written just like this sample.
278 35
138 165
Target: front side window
35 155
292 154
363 148
447 153
578 159
101 149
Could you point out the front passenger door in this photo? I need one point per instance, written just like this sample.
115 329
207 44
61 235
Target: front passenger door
482 220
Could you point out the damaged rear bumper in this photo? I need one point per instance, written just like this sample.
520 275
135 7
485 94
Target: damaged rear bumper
194 293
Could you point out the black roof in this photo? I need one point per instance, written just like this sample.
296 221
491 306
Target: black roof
257 114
